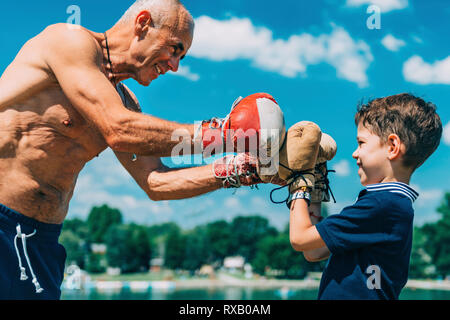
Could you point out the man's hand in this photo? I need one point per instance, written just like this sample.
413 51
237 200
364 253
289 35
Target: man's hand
254 124
237 170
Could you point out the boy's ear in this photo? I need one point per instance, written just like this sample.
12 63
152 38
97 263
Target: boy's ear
395 147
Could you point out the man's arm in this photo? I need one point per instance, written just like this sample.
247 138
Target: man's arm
159 181
162 183
76 60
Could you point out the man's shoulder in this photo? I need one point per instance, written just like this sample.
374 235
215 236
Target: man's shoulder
69 39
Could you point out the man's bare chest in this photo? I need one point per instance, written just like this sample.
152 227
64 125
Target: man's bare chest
50 114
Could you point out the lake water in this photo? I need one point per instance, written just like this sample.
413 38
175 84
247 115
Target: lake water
230 293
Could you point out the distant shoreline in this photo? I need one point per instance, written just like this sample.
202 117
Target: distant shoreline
308 284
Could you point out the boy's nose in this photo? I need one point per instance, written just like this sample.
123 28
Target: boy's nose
355 154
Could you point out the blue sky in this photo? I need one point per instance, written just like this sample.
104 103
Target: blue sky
317 58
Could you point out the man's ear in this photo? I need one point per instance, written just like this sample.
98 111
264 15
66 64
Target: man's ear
143 23
395 147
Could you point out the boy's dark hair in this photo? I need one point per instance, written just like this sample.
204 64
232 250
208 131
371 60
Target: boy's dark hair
411 118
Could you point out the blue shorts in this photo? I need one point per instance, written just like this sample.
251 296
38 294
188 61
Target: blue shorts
31 259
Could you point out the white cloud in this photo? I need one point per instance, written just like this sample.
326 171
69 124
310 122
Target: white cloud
446 134
427 196
416 70
232 203
185 71
259 202
392 43
227 40
417 39
342 168
384 5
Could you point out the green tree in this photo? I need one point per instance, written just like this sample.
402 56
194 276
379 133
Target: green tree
162 230
175 250
195 249
74 239
128 248
96 263
276 253
100 219
420 261
246 232
441 239
77 226
75 248
218 235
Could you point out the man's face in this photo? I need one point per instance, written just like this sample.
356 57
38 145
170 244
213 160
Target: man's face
161 51
371 157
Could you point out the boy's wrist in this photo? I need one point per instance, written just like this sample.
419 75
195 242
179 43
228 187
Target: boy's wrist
303 193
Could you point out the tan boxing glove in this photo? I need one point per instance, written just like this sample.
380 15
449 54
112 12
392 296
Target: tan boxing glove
297 157
327 152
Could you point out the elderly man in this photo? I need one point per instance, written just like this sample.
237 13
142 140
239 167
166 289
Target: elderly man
62 103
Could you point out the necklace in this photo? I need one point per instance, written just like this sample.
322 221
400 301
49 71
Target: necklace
109 58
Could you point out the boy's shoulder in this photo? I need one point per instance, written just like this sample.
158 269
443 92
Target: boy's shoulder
389 197
388 189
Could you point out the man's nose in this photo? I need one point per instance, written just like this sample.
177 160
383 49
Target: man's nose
174 63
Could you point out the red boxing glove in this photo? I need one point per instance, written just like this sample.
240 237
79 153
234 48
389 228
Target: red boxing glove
237 171
255 124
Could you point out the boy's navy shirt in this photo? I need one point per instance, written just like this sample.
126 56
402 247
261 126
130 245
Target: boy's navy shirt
375 232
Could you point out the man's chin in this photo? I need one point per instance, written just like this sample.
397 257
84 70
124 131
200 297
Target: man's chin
144 83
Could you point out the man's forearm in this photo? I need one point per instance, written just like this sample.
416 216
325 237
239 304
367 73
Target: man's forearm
146 135
175 184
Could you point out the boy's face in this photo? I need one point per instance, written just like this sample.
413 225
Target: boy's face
372 157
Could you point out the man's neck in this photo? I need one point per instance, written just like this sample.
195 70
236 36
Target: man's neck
117 40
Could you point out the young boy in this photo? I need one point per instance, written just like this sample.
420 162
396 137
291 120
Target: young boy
369 243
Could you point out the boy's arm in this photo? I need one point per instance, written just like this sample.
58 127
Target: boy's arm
303 234
321 253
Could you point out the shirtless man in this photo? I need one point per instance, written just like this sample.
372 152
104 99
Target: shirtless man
61 105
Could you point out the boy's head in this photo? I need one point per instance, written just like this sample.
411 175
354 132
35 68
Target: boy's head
396 135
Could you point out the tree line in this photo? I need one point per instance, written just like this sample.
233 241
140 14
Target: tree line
130 246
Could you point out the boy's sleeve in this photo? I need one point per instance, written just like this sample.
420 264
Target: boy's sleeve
365 223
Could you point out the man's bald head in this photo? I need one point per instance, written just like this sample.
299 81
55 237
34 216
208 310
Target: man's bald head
156 35
162 12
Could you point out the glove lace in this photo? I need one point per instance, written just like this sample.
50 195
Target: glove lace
326 181
299 174
296 174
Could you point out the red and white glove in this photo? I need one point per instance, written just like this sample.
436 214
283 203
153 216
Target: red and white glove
237 170
255 123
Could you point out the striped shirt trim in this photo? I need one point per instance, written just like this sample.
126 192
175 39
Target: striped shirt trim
395 187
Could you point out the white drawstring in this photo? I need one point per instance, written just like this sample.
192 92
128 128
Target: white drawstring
23 275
